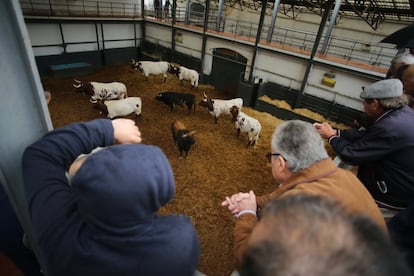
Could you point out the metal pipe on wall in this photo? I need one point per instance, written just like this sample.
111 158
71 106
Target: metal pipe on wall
273 21
332 22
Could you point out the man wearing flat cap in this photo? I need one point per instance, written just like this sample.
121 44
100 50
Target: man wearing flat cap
384 151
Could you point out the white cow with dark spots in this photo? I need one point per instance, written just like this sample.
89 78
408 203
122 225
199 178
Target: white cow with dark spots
101 90
217 107
184 73
247 124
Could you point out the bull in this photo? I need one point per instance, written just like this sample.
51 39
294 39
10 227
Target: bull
175 98
182 137
245 123
101 90
152 68
217 107
119 108
184 73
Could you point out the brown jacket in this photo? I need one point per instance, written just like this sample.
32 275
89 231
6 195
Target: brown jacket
322 178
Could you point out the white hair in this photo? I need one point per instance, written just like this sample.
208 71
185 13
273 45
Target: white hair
402 59
299 143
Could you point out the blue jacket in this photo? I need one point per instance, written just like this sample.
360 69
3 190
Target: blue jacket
401 231
384 153
105 221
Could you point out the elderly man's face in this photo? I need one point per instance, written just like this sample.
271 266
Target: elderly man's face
408 81
280 169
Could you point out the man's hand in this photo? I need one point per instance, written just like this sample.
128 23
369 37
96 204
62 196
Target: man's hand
126 132
325 130
239 202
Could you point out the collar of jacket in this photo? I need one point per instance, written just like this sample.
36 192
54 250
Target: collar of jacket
312 173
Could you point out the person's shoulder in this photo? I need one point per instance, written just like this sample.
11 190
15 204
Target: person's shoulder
178 225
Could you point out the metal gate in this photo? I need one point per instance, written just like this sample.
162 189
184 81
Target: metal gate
226 69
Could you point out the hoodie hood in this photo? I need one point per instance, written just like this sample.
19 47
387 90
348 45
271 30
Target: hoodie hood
121 188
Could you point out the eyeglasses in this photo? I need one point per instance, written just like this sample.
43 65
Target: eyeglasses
269 156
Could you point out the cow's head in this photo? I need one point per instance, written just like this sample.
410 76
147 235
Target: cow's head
100 105
206 102
139 66
186 139
160 97
175 70
78 85
134 64
234 110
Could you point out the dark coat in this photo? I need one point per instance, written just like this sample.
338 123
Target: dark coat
105 221
384 153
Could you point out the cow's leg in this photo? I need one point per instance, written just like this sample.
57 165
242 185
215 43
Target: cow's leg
189 106
164 77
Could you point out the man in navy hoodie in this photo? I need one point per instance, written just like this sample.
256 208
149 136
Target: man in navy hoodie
103 221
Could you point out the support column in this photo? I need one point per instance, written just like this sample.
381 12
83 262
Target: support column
219 15
326 12
273 21
259 33
332 22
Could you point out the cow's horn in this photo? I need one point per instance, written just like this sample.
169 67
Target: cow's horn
93 101
204 94
78 81
192 132
76 85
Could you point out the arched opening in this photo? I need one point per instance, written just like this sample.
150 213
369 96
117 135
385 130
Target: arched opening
227 67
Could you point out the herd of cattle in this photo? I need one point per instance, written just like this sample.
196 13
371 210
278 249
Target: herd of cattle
112 100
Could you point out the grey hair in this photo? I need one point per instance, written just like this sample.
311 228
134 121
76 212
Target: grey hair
392 103
299 143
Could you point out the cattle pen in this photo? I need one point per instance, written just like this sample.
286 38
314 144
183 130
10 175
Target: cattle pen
218 165
47 44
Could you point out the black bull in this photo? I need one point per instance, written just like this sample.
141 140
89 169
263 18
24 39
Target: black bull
182 137
175 98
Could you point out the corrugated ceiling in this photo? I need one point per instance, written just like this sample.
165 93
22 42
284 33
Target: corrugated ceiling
371 11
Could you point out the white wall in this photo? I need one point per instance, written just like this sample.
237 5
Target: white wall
278 66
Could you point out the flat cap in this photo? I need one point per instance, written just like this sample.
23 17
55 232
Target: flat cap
389 88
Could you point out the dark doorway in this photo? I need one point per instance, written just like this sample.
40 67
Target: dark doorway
226 70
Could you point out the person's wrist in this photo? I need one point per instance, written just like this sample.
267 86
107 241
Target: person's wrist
248 211
333 133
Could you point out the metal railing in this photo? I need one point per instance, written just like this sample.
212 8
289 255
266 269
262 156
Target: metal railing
80 8
338 49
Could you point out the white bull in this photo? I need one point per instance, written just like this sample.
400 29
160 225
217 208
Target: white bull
153 68
101 90
217 107
184 73
123 107
249 125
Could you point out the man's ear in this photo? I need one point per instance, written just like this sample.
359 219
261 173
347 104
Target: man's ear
282 162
